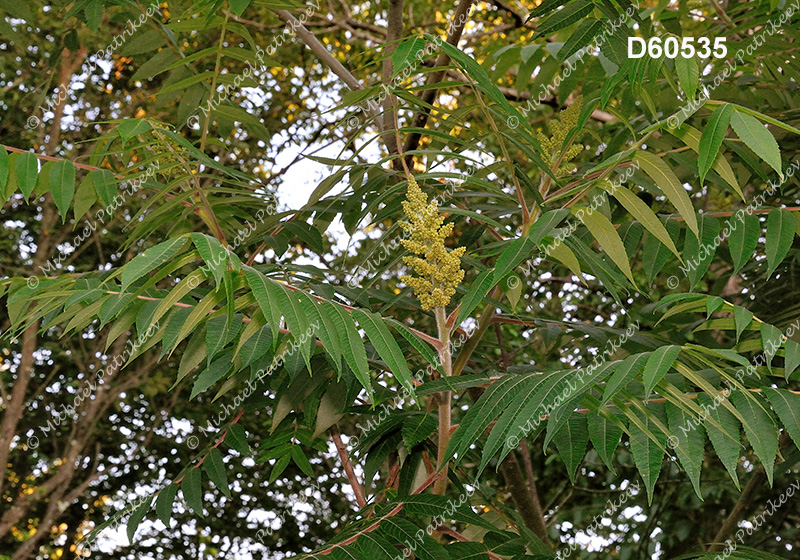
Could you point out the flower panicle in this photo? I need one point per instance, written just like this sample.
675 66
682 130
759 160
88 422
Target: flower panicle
560 127
437 271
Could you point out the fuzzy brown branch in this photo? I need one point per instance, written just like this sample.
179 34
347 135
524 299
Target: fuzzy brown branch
722 14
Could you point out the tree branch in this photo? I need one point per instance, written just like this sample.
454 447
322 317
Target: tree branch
744 503
358 490
532 503
453 37
472 343
530 511
327 58
70 62
521 95
444 399
394 30
14 408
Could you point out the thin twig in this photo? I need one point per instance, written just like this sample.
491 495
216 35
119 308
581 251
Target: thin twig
214 79
358 490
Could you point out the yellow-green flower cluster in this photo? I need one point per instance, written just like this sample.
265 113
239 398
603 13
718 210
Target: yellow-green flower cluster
560 128
437 270
167 152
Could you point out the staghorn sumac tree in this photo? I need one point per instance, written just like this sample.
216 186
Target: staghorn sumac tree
611 263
